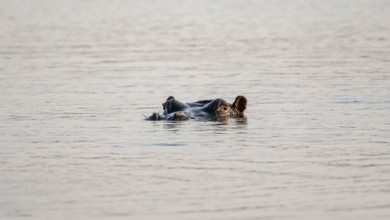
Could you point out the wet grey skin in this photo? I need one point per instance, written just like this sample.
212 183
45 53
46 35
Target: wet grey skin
213 109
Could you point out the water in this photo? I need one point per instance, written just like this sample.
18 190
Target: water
76 77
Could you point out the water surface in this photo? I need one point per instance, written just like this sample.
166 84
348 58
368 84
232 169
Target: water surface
76 77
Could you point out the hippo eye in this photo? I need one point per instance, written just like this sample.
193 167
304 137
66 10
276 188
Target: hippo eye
225 108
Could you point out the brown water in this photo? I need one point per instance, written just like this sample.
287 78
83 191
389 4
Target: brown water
76 77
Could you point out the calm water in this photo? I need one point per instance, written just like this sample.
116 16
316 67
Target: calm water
76 77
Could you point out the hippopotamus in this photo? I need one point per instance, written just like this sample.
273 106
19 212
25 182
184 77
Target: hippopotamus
212 109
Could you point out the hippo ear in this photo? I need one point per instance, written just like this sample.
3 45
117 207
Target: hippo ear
240 104
170 97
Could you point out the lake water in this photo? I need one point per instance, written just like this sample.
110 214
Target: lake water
77 76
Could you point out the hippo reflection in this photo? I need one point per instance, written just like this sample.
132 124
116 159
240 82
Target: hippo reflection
213 109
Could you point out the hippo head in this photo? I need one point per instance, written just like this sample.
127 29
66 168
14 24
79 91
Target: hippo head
212 109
